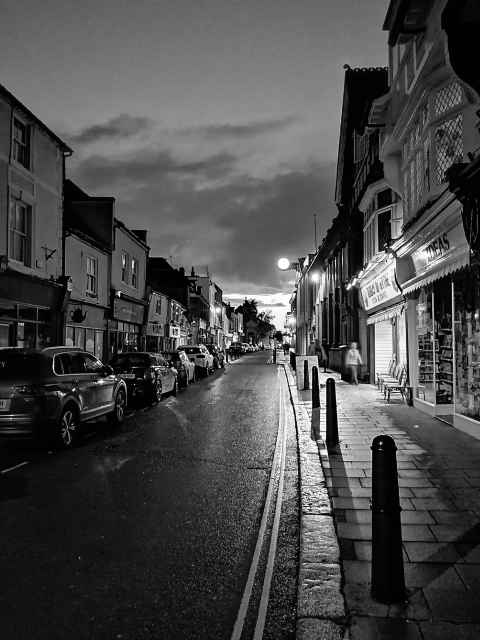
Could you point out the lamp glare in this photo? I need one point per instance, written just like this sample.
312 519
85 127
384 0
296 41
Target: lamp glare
283 264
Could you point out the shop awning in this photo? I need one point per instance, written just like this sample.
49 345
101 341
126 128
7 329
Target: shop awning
386 314
422 280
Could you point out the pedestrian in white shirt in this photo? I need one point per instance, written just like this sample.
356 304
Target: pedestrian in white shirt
352 360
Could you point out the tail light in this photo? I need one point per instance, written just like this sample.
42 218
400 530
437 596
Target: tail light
25 390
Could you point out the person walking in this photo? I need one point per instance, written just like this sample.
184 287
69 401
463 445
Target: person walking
352 360
321 354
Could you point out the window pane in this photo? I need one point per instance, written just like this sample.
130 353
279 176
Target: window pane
90 341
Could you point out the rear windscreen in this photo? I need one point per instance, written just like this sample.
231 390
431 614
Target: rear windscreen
130 360
23 365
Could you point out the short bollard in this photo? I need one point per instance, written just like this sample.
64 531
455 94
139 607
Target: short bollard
332 440
274 356
306 379
292 360
315 426
226 356
388 580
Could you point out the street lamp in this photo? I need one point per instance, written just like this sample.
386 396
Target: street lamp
315 277
284 264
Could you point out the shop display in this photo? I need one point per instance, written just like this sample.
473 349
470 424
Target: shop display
467 344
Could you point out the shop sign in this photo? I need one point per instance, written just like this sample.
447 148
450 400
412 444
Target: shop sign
174 332
442 246
127 311
380 289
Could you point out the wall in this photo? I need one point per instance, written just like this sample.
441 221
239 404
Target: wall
40 187
76 252
125 242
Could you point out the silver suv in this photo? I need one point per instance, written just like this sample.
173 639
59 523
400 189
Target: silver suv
49 393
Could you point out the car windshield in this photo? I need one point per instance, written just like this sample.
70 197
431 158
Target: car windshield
191 349
131 360
19 364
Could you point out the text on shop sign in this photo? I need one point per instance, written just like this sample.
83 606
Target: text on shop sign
381 289
437 248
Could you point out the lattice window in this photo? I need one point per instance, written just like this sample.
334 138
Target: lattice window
448 97
448 146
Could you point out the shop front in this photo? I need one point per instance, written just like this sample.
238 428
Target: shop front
85 327
125 328
441 307
30 311
386 319
155 337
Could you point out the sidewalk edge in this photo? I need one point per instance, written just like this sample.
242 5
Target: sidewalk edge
321 609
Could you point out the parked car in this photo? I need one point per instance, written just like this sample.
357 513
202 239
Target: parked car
218 356
148 376
236 349
184 367
49 393
247 347
200 356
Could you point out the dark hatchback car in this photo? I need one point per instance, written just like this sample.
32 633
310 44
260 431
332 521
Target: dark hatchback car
147 375
49 393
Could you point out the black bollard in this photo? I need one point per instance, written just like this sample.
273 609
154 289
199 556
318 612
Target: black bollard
332 440
226 356
274 356
315 389
388 580
315 426
306 380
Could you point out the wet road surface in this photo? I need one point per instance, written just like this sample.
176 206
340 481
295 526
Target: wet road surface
149 531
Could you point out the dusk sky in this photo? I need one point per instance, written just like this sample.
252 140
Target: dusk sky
214 123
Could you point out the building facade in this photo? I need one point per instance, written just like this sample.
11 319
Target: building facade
33 292
129 306
429 126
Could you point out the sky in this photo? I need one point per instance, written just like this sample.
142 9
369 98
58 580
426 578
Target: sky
213 123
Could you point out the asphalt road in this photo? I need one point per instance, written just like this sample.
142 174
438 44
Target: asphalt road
149 531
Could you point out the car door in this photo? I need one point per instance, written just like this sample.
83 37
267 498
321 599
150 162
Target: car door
81 382
104 383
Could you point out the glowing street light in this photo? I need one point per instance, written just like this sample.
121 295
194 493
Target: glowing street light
283 264
315 277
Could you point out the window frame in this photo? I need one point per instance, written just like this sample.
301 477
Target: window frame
135 270
124 267
19 147
28 258
91 277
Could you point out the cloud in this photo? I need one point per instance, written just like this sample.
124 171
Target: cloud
147 167
242 131
117 128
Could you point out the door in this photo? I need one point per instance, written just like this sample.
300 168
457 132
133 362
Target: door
103 384
70 369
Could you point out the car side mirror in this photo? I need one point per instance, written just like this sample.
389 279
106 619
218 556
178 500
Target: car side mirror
108 370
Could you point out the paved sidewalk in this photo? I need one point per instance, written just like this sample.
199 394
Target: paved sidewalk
439 480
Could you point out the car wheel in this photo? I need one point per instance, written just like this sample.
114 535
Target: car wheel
68 428
118 414
155 392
